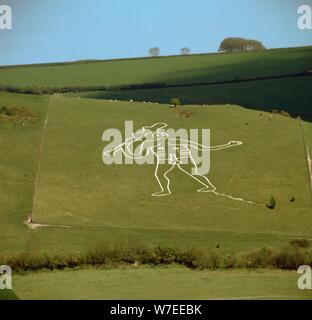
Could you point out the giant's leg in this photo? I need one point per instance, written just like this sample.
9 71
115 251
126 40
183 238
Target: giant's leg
161 172
207 186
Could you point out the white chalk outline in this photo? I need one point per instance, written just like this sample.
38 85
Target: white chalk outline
208 187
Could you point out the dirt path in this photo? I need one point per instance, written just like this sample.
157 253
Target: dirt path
37 178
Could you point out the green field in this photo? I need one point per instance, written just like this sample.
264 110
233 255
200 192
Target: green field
171 70
172 283
53 169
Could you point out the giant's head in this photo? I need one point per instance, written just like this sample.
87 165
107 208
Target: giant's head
153 132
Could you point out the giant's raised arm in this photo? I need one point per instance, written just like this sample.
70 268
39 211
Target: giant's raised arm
201 147
197 145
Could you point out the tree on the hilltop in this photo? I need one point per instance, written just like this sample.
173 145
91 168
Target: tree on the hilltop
240 45
185 51
154 52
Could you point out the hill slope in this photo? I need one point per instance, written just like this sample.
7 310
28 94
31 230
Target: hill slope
171 70
76 192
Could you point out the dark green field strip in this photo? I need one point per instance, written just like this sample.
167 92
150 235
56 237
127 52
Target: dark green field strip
293 95
8 295
196 84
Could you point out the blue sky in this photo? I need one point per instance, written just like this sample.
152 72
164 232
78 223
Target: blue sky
64 30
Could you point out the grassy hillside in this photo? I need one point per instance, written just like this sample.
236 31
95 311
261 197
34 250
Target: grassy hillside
19 152
51 167
80 168
171 70
172 283
77 190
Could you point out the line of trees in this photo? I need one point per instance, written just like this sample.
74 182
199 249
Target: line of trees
66 89
155 52
298 252
228 45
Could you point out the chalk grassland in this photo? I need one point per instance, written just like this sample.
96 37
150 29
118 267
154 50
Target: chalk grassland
273 156
171 70
172 283
112 204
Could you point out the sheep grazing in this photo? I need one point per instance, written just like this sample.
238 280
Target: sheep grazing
131 100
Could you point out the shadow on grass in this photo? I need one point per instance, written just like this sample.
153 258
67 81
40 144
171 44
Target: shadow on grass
293 95
8 295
